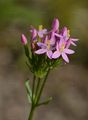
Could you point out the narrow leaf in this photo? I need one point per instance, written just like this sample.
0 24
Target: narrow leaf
28 89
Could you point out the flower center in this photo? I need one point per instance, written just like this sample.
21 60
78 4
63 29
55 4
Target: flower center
62 47
48 44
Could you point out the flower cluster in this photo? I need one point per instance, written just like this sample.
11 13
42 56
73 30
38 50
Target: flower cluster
53 43
50 45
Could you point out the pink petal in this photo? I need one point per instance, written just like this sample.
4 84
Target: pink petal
42 45
44 31
65 30
40 33
61 42
74 39
65 57
73 43
56 54
58 35
34 33
40 51
68 43
57 46
46 38
69 51
52 39
49 54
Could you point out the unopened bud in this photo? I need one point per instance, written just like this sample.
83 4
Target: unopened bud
23 39
55 25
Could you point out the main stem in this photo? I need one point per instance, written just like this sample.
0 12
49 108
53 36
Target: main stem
32 106
31 113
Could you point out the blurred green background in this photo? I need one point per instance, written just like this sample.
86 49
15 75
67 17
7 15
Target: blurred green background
70 88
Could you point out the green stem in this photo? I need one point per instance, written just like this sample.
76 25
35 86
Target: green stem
37 89
31 113
42 86
32 106
33 87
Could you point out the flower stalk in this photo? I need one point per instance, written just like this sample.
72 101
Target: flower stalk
36 94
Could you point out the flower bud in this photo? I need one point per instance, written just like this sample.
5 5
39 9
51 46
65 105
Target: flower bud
55 25
23 39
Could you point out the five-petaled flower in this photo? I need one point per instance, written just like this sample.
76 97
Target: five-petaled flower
61 50
45 47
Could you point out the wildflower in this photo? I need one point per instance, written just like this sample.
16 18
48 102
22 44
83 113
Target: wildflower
45 47
23 39
61 50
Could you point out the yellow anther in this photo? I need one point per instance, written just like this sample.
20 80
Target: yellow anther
62 47
48 44
39 40
40 27
68 33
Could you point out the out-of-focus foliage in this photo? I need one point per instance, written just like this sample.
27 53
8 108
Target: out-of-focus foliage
15 18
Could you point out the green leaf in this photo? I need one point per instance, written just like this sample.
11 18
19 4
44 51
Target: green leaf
45 102
29 92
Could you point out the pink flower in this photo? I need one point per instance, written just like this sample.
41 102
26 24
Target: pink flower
45 47
61 50
23 39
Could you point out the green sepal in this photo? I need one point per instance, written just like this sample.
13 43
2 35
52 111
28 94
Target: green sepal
29 91
26 50
28 54
55 63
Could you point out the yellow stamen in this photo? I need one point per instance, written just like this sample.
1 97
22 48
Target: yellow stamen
68 33
40 27
48 44
62 47
39 39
